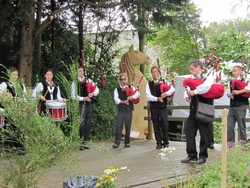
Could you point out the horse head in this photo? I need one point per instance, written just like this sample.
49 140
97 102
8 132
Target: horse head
130 59
137 57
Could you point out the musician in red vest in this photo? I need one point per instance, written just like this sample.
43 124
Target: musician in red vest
125 110
85 97
158 108
192 124
237 110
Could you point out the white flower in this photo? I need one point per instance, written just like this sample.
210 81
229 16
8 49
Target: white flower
165 159
123 168
108 171
162 154
165 150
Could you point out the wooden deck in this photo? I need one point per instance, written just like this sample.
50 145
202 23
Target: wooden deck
145 168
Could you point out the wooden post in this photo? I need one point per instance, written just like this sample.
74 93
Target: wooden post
224 150
149 123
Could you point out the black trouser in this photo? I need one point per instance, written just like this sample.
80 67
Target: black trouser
211 133
85 126
159 119
192 126
236 114
123 117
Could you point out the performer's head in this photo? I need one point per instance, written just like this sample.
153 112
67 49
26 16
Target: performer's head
48 74
237 71
195 67
81 71
13 74
155 71
123 79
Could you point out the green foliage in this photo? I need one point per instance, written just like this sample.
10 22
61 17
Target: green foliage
42 138
238 170
230 38
177 47
233 46
179 41
105 110
104 118
217 132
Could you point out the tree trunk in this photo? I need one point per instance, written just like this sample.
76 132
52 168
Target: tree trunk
52 28
141 32
142 38
27 47
80 29
38 41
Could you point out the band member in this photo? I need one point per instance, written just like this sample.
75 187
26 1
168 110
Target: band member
46 91
9 88
125 109
237 110
192 124
84 94
158 107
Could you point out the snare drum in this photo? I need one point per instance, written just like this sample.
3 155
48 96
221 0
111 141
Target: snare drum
1 117
57 110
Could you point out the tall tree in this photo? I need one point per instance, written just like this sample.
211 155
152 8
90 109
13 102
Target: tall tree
179 42
145 15
29 31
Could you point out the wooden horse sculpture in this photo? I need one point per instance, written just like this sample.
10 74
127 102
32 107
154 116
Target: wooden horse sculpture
130 59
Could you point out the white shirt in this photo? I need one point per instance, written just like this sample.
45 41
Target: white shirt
116 95
3 87
153 98
39 88
74 94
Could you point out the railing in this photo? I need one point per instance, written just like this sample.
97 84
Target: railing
181 118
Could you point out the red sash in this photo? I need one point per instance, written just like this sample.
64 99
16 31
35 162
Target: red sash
164 87
239 85
192 83
215 92
131 92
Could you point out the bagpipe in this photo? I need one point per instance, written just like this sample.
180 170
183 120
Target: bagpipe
91 86
131 92
216 90
239 85
164 85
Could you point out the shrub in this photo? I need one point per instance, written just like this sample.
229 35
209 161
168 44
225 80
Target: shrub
238 170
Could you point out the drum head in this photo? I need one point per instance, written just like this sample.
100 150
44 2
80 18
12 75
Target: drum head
53 104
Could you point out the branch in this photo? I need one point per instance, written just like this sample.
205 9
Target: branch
52 16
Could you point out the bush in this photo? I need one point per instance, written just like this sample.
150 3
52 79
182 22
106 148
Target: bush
104 117
42 139
238 170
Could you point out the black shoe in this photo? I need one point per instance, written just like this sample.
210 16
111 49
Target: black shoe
86 147
211 146
189 160
116 145
81 148
158 146
165 145
200 161
127 145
